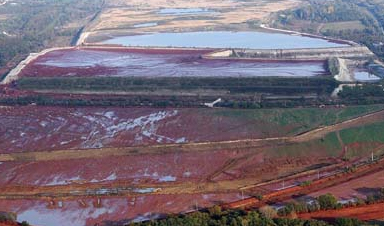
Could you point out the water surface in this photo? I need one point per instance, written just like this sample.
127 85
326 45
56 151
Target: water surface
365 76
151 24
224 39
184 11
88 62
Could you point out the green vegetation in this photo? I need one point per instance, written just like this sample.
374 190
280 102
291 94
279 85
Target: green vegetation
333 66
280 86
345 25
215 216
360 141
367 133
236 92
363 92
299 120
327 146
11 219
242 93
24 223
35 25
359 20
327 202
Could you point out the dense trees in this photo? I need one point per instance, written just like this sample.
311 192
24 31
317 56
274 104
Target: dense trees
239 218
311 18
272 85
365 91
35 25
333 66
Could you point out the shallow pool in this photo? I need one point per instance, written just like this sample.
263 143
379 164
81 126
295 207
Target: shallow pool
151 24
184 11
365 76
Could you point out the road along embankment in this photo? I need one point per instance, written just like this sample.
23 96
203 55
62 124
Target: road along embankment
367 212
13 75
351 52
349 42
315 185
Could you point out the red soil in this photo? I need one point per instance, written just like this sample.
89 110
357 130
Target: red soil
368 212
155 63
177 167
74 212
360 187
32 128
9 224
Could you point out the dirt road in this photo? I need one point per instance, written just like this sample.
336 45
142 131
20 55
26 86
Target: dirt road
367 212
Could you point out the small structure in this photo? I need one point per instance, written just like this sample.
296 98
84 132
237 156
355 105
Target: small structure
211 105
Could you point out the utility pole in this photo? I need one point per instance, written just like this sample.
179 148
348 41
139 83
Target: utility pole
372 156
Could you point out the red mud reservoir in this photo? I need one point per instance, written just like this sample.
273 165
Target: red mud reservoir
159 63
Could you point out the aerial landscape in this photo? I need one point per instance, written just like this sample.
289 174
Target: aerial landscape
199 112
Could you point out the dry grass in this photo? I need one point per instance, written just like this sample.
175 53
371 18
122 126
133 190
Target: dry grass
346 25
123 14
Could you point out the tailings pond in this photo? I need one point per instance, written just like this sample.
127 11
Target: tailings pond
365 76
224 39
159 63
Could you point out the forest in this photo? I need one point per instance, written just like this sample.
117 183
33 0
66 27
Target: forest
359 20
269 216
32 25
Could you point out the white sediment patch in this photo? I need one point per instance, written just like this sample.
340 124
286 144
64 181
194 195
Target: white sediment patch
340 88
146 217
167 179
345 74
3 2
111 177
59 180
41 215
109 126
144 190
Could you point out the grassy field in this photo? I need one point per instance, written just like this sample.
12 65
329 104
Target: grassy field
299 120
357 142
368 133
360 141
364 140
328 146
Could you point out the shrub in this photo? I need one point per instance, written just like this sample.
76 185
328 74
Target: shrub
327 201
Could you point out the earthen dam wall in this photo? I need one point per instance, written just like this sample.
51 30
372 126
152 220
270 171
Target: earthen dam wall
350 52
